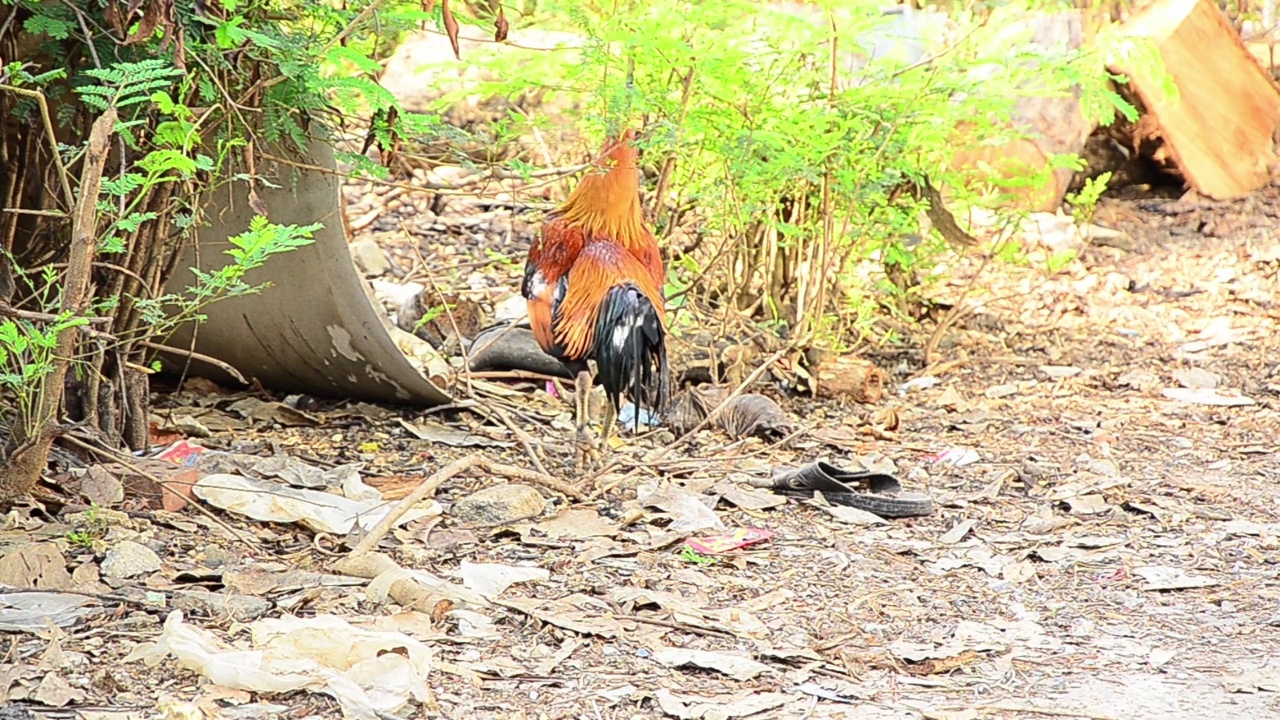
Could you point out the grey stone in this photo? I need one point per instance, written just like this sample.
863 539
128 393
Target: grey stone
499 505
240 608
129 559
369 258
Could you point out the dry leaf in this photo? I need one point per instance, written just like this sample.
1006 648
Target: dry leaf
754 415
1206 396
256 203
1020 571
1253 681
936 666
687 707
1169 578
35 566
736 665
957 533
441 609
500 26
1088 504
114 18
150 21
578 524
1194 378
886 420
579 613
491 580
450 27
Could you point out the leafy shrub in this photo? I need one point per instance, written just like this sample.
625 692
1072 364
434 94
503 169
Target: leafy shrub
202 91
787 147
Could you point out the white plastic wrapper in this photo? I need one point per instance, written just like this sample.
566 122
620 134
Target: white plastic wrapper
366 671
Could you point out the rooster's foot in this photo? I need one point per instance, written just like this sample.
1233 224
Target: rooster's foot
586 450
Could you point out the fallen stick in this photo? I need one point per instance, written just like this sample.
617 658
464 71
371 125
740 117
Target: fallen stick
225 367
438 478
715 413
428 486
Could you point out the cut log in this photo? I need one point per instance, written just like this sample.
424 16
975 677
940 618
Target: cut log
846 376
1267 54
1219 127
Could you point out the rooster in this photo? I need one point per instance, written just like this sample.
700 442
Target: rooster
593 283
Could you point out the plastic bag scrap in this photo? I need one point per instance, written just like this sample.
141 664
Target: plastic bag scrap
276 501
367 671
318 511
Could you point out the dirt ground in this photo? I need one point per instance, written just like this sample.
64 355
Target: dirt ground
1102 445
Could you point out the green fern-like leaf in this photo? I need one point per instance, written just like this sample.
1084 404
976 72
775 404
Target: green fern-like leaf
44 24
124 184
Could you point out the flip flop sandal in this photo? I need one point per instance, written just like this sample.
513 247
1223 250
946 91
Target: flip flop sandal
874 492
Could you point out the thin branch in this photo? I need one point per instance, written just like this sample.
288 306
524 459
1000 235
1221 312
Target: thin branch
520 434
63 177
428 486
10 311
1033 710
439 477
513 472
711 416
494 173
453 319
44 213
9 20
225 367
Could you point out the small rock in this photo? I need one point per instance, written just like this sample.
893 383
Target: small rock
499 505
513 308
1196 378
1206 396
369 258
1060 371
1139 379
240 608
129 559
191 427
999 391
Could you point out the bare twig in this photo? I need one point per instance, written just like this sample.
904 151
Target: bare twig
494 173
538 478
711 416
1033 710
420 493
453 319
63 177
513 375
439 477
958 310
669 165
9 21
225 367
523 436
930 59
10 311
433 482
41 213
837 642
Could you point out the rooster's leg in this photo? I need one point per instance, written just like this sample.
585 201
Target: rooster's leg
610 420
586 449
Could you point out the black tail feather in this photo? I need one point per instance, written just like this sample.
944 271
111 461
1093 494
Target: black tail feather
631 351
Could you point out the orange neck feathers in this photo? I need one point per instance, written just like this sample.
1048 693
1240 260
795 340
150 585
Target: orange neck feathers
607 201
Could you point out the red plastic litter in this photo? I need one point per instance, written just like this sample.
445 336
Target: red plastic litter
181 453
732 540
